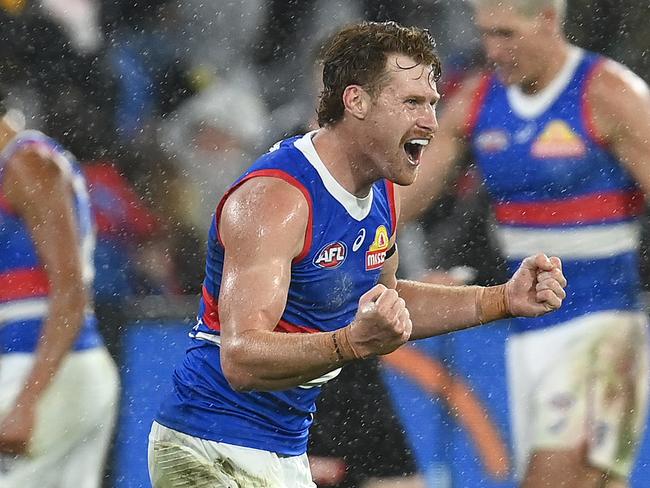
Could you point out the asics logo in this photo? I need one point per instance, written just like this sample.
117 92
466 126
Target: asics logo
359 240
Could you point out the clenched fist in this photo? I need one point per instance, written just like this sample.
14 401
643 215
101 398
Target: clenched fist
382 323
537 287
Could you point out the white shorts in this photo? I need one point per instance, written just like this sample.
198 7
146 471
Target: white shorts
74 421
179 460
583 382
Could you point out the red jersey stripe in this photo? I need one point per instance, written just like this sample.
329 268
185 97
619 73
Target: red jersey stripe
276 173
18 284
390 192
477 104
595 208
586 110
211 318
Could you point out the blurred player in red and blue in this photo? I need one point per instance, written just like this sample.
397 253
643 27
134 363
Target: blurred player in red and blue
58 384
300 274
561 137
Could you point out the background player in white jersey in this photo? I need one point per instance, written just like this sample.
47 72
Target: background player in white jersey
301 269
58 384
561 137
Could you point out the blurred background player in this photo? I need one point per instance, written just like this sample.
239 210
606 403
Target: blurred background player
560 136
58 384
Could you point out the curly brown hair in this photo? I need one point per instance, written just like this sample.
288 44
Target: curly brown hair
356 55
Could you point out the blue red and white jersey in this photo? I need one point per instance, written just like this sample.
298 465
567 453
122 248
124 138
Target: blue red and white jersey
345 247
24 285
558 189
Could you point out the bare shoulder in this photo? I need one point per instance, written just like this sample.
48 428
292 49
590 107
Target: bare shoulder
615 92
618 109
30 173
265 208
34 162
610 76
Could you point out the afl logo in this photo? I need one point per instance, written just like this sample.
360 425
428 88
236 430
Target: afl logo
331 256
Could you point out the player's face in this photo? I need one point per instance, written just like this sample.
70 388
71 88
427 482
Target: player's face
511 41
402 119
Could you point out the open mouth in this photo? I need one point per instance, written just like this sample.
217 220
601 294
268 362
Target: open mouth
414 149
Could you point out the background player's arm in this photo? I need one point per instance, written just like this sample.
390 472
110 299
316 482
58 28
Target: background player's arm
535 289
620 114
41 193
442 154
262 228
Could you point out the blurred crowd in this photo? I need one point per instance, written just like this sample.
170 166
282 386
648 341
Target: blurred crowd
165 102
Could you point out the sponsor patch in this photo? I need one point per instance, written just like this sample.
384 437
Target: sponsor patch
558 140
331 255
376 255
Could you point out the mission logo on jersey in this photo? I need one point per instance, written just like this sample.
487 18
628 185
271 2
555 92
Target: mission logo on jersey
331 255
558 140
376 255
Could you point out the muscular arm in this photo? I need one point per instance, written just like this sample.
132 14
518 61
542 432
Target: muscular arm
434 309
42 195
442 154
619 103
263 228
535 289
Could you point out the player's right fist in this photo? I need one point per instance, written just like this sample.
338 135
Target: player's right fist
382 323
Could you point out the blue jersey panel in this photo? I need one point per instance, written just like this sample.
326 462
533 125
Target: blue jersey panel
552 156
343 257
203 405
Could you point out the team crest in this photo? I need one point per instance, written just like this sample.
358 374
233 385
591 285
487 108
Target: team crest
376 255
558 140
331 256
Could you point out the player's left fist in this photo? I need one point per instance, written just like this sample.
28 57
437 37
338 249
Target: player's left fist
537 287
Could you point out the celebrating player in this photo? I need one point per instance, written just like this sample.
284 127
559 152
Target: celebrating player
300 275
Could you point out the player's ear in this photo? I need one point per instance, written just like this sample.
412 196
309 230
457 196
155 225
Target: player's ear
356 101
